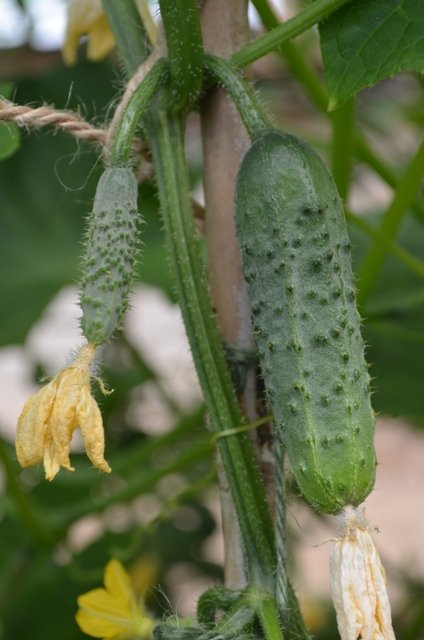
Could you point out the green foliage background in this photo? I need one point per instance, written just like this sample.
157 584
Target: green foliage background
47 183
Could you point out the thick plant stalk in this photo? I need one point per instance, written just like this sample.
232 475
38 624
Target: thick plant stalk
183 35
165 134
225 29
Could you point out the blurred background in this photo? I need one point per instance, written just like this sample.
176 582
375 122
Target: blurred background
159 511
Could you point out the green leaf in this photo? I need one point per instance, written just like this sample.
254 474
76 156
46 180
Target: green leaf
9 139
364 42
394 327
9 132
41 228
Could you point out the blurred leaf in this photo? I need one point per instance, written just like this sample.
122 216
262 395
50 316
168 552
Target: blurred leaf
364 42
394 327
9 132
9 139
41 227
138 467
43 605
15 555
46 189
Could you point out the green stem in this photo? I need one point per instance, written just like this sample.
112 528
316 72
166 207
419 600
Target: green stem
301 69
127 26
244 428
367 155
130 119
268 616
183 35
166 135
29 516
248 106
404 196
410 261
307 18
343 122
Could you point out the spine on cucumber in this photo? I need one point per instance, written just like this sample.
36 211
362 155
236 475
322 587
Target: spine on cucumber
111 249
297 264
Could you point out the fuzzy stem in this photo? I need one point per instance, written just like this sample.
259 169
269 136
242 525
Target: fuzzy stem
131 116
240 467
248 106
181 24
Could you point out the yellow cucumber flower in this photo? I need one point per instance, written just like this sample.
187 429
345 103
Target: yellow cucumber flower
113 612
50 417
358 583
86 18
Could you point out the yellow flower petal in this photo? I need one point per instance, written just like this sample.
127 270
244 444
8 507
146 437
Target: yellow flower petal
86 18
358 583
101 40
69 384
143 573
89 419
118 583
101 616
112 612
50 417
30 437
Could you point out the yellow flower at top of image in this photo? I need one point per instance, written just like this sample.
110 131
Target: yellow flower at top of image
86 18
50 417
113 613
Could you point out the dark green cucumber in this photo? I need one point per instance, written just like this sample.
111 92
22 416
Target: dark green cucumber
297 264
111 249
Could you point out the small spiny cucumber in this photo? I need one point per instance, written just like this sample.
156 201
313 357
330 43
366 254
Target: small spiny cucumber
297 264
111 249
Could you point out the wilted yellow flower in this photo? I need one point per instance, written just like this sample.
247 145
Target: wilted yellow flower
358 583
86 18
113 612
50 417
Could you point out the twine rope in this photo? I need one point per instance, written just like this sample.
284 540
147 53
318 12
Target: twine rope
73 124
37 117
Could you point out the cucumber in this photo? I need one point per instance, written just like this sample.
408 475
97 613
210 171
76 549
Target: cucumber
297 265
111 249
